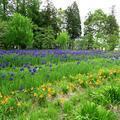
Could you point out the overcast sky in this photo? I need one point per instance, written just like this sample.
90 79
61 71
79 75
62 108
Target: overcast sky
90 5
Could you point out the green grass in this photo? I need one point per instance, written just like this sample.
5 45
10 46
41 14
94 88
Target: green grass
68 90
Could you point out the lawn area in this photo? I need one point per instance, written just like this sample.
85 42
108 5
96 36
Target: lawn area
59 85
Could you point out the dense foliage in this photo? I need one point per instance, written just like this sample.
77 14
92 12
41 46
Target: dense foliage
44 38
73 21
101 31
20 32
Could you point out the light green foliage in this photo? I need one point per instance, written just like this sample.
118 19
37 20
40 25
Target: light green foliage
68 106
20 31
62 40
95 29
44 38
104 29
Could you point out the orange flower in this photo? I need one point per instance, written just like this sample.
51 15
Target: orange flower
5 100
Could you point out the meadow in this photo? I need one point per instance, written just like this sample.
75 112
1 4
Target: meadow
59 85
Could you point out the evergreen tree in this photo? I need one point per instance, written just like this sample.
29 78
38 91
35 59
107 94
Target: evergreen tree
33 11
44 38
73 21
49 17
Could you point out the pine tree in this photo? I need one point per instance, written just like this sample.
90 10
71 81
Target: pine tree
49 17
73 21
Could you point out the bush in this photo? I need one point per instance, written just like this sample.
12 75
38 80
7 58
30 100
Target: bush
84 43
80 44
44 38
20 32
62 40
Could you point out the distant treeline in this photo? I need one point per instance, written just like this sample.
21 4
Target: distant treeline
27 24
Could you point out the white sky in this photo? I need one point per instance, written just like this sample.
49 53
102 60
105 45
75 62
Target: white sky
90 5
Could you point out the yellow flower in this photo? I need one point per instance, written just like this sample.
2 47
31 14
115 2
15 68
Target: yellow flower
49 95
25 91
61 93
19 104
1 95
38 88
35 95
90 83
32 88
5 100
81 81
98 82
13 92
49 90
41 96
43 88
62 100
71 87
64 77
90 76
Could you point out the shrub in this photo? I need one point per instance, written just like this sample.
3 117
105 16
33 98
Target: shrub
80 44
62 40
20 31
